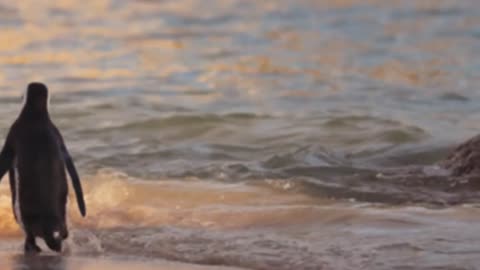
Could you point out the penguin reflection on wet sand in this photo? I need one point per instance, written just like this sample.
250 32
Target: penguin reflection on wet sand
35 156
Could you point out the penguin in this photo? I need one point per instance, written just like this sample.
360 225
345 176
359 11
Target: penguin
35 156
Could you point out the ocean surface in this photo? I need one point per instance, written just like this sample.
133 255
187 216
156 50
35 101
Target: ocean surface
243 134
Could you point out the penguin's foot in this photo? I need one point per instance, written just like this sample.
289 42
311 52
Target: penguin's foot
64 232
32 248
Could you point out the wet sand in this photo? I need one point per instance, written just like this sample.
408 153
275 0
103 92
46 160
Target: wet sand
17 261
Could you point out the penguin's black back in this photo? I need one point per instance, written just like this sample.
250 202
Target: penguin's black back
39 165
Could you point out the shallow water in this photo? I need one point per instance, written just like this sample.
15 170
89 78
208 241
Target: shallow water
257 134
52 262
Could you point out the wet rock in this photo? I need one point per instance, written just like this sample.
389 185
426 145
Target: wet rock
465 159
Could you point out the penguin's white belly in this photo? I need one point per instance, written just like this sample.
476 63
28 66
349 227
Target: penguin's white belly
16 204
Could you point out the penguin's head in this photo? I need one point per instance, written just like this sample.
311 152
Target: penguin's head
36 96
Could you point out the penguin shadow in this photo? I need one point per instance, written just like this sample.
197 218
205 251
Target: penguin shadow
38 262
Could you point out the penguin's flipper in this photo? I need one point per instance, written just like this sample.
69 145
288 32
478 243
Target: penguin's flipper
75 181
6 157
77 186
